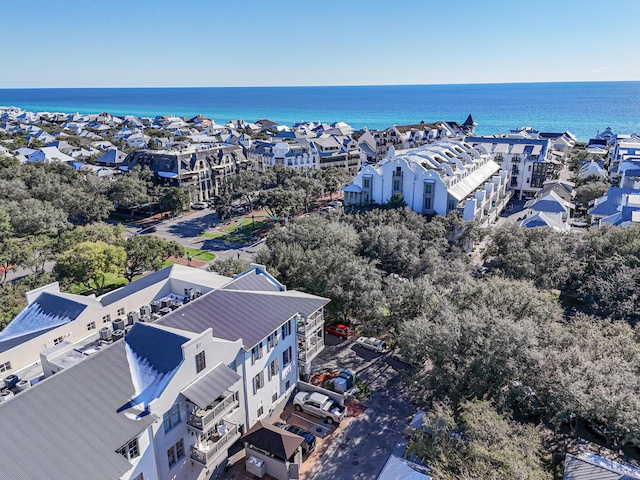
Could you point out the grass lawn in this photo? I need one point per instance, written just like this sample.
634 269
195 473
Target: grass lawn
112 282
201 255
246 226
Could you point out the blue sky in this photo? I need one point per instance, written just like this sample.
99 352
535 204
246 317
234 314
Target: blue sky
117 43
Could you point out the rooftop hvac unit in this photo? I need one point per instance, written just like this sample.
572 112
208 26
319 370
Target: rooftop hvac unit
118 324
166 303
186 299
156 306
155 316
117 334
127 329
105 334
198 293
145 310
176 304
5 395
164 311
133 317
22 385
145 318
11 380
188 292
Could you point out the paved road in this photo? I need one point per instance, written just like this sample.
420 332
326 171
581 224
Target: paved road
186 231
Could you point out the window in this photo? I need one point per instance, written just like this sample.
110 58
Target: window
5 367
427 203
201 363
396 186
287 385
260 411
175 453
256 353
120 311
286 329
366 183
286 356
529 168
106 318
452 204
91 326
272 341
58 340
274 397
130 450
258 382
171 418
273 368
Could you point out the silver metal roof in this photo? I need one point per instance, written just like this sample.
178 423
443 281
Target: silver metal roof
67 426
211 385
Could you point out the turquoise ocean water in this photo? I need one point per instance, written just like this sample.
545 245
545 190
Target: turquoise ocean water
582 107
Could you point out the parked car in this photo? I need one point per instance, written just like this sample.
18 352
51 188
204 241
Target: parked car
372 343
199 205
335 204
397 355
339 330
320 405
309 438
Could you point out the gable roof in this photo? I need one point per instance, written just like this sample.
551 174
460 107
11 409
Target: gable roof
397 468
589 466
279 442
609 203
69 424
47 312
237 314
256 279
154 356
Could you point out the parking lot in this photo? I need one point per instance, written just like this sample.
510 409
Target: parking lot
358 447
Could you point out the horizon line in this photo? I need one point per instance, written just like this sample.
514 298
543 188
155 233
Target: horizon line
322 86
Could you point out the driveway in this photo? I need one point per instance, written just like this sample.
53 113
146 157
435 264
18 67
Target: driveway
359 448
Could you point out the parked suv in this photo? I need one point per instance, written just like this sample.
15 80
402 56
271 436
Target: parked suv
309 438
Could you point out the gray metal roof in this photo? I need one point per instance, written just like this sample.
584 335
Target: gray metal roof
254 280
211 385
67 426
576 468
249 316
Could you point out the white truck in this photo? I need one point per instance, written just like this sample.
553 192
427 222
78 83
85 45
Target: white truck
372 343
320 405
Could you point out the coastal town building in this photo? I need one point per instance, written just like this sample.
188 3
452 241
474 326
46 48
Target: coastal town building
529 162
435 179
166 397
375 144
200 172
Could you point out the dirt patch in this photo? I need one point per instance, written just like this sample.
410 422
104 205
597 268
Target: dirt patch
354 408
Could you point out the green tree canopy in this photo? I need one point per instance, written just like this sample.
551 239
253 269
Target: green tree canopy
478 442
88 263
148 252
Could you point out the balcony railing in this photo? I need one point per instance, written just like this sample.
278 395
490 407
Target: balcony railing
310 325
204 453
203 419
308 354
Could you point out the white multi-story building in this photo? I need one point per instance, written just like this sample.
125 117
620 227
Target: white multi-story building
529 162
170 398
435 179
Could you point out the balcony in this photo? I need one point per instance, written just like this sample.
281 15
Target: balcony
202 420
312 323
205 451
306 354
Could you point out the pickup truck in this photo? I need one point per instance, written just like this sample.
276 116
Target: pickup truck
372 343
320 405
